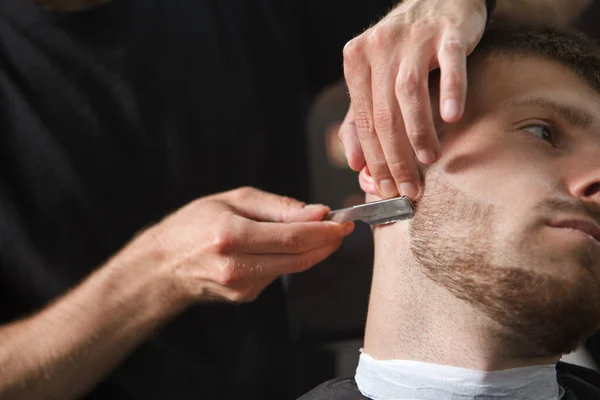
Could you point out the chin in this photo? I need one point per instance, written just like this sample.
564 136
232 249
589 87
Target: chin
566 264
569 250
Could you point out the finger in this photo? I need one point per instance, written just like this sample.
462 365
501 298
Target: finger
366 182
392 136
349 138
285 238
258 266
358 79
452 58
258 205
412 91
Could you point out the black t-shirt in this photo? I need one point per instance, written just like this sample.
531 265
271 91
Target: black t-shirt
113 117
578 382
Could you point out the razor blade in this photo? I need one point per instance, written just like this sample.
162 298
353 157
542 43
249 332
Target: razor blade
375 213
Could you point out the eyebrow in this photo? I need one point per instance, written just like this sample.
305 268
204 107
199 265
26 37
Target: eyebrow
573 115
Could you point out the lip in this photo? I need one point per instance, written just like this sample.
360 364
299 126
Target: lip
589 227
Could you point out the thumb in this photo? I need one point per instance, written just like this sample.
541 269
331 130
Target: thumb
268 207
367 183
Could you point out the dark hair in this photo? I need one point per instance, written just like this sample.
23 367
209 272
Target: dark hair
569 48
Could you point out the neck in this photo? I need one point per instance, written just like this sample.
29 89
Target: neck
412 318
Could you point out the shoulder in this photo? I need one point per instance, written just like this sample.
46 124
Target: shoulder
341 388
579 382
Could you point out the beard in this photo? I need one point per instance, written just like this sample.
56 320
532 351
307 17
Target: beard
453 239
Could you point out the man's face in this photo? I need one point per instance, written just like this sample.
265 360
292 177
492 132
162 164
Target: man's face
503 219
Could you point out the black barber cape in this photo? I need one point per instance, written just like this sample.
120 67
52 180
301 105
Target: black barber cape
113 117
578 382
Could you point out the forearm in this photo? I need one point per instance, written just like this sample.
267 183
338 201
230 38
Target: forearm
545 12
65 349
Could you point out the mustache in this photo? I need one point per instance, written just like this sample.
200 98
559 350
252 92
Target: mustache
571 206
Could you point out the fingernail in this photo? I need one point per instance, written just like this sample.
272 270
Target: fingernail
426 156
387 187
347 228
409 190
313 206
450 108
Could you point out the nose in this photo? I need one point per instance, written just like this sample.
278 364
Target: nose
585 185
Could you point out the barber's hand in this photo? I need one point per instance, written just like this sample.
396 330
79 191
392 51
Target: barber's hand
230 246
387 70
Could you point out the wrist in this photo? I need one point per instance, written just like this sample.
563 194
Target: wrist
140 271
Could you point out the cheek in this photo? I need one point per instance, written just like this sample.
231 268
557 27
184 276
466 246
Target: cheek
501 173
500 186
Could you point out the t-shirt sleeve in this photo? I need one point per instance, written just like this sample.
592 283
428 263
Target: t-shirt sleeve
325 26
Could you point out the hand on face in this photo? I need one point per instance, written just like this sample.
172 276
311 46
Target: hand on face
230 246
387 69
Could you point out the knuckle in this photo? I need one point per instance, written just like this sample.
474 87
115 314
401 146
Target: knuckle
247 293
227 273
417 135
383 118
243 192
364 123
223 241
454 44
399 168
410 82
422 30
352 51
287 206
292 242
378 169
236 296
289 202
383 36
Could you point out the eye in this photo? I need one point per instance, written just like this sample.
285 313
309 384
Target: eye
542 131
